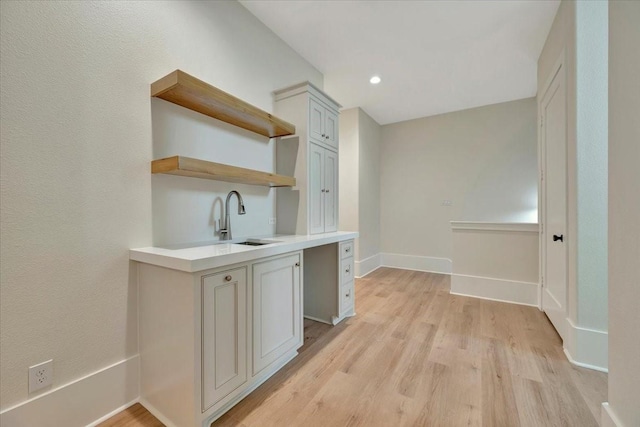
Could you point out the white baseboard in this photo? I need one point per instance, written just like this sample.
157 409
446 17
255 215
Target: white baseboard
83 402
149 407
587 348
367 265
608 418
418 263
512 291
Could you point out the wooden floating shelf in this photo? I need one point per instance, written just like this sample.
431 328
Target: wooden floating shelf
194 94
185 166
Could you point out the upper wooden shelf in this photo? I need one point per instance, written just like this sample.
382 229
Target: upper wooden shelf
189 92
185 166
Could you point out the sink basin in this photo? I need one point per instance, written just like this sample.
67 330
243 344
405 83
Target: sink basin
252 243
256 242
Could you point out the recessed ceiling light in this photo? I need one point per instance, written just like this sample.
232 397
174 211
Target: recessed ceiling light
375 80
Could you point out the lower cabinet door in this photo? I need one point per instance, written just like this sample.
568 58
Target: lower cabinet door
224 332
277 316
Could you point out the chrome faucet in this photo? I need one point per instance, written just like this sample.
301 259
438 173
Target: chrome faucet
225 228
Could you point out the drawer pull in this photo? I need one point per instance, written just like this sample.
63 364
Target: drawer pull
327 137
347 270
323 135
297 264
348 294
228 278
348 250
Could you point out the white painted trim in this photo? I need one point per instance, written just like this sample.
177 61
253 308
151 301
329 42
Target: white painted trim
511 291
149 407
367 265
309 87
582 365
527 227
608 418
94 396
417 263
317 319
113 413
587 348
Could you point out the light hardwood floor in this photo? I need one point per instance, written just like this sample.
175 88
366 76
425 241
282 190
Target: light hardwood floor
417 356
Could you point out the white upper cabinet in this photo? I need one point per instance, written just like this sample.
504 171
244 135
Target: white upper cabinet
323 124
330 175
310 207
323 190
316 121
331 128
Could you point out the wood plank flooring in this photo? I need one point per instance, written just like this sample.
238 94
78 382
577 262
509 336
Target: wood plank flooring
417 356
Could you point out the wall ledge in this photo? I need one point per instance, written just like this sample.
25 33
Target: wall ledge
528 227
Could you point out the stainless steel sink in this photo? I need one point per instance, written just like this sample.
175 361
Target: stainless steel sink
252 243
255 242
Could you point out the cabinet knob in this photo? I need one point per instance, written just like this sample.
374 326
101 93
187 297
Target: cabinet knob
323 135
348 294
322 190
348 250
327 136
297 264
326 191
347 270
228 278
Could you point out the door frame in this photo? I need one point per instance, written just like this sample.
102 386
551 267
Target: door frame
559 67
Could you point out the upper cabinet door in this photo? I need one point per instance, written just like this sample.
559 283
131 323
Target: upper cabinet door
330 191
331 128
316 189
316 121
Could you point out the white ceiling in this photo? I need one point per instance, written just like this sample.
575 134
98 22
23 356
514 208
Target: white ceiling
433 56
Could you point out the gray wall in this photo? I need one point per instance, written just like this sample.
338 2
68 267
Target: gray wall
484 160
624 211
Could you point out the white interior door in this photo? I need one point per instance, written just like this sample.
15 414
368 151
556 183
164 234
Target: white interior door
554 212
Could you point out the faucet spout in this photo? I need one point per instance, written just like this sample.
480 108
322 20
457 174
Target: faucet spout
225 228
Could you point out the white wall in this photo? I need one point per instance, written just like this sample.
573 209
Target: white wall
624 211
484 160
592 127
369 183
360 138
349 163
77 132
579 34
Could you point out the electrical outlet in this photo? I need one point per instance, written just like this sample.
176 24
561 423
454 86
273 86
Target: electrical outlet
272 221
40 375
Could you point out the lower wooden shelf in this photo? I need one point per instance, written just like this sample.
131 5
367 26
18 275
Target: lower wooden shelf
196 168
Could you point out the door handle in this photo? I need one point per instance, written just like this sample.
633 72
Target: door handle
560 237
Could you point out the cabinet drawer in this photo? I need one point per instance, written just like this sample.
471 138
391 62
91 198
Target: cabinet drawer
346 270
346 296
346 249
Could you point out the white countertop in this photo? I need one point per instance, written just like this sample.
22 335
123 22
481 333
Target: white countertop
203 257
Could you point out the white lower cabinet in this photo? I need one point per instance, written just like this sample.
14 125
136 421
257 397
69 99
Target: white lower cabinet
277 305
208 339
224 331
